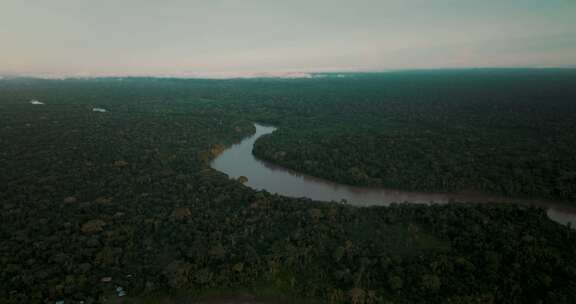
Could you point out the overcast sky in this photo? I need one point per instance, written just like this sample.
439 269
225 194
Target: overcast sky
111 37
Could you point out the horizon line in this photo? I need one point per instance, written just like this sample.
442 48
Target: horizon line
293 74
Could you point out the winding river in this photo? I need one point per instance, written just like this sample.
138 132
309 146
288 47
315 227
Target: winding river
238 160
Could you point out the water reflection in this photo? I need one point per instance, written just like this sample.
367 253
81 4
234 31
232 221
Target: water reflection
238 161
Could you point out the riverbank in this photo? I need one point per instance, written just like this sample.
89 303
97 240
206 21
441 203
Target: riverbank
238 160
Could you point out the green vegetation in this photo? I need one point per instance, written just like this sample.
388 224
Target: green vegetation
127 195
502 132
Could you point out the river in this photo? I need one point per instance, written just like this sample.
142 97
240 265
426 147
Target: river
238 160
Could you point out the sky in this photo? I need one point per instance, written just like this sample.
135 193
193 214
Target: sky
225 37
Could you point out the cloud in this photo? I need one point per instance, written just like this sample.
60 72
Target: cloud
194 75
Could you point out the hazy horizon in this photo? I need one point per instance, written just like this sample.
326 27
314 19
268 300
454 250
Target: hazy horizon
231 39
254 75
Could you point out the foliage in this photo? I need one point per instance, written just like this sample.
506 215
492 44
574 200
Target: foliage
129 194
496 131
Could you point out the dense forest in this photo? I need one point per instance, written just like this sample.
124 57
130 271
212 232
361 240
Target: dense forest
123 205
501 132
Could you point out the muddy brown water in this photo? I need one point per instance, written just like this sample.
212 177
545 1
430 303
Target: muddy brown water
238 160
